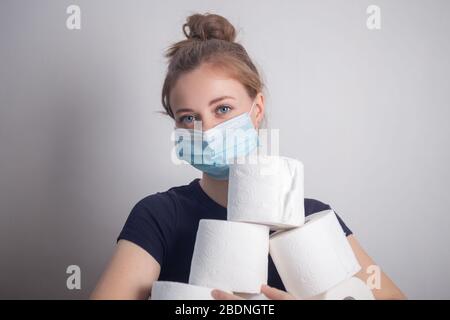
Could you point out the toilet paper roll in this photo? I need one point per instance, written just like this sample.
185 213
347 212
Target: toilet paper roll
351 289
315 257
170 290
230 255
267 190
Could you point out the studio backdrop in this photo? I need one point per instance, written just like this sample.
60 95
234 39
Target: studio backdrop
365 106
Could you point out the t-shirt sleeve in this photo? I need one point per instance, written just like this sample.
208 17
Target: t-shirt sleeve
346 229
313 206
151 225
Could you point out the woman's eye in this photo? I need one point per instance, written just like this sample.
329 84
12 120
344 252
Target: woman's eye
223 109
187 119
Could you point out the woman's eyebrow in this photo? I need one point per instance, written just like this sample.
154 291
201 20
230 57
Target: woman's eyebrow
184 110
213 101
220 98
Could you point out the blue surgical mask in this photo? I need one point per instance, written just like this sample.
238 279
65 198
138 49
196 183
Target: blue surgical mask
213 150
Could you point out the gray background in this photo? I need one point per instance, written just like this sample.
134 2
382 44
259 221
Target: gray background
81 140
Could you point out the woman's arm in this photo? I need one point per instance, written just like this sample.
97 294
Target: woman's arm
129 275
387 290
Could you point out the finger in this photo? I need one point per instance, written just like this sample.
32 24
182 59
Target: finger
222 295
275 294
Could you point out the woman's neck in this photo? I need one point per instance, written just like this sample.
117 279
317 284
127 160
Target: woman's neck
217 190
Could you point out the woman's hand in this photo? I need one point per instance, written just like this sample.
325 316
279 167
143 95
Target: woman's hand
270 292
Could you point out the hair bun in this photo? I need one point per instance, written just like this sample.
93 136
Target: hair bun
209 26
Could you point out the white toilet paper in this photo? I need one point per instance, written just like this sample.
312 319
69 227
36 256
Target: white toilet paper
351 289
169 290
315 257
267 190
230 256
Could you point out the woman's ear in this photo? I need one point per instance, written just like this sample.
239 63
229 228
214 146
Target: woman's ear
259 110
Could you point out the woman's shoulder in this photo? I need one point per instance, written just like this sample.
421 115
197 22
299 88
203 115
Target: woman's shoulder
153 221
314 206
166 200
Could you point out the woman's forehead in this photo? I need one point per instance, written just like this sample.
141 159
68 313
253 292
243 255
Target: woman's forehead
199 87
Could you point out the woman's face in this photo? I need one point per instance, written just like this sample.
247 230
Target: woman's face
208 95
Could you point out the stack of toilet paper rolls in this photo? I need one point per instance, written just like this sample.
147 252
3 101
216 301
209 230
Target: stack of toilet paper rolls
312 256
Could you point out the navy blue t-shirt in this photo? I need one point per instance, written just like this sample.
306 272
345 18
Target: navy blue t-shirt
165 225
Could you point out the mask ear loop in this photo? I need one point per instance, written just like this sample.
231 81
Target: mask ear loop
249 115
251 109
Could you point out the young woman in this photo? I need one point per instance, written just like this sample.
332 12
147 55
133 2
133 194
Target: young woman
210 79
